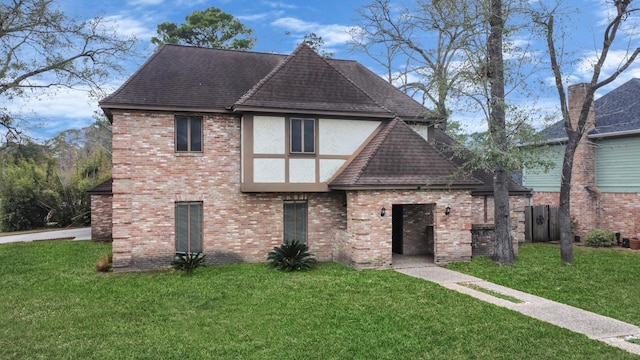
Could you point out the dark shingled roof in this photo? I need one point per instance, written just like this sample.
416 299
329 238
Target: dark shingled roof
617 111
398 156
104 188
291 85
200 79
444 143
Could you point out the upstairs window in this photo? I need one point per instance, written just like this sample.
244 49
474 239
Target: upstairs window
188 133
303 136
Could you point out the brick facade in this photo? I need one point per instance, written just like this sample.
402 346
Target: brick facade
149 178
101 216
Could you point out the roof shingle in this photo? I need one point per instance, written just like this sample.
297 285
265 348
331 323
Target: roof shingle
184 77
398 156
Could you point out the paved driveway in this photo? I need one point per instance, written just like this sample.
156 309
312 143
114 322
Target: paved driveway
76 234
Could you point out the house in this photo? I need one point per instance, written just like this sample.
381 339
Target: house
230 153
605 186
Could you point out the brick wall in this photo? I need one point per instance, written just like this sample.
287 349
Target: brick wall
149 177
101 216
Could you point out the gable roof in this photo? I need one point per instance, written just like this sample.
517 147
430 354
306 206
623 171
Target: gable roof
617 113
189 78
399 157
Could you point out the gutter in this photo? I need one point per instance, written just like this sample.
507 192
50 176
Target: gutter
612 134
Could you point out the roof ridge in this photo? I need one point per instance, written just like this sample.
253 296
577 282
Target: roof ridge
357 86
270 75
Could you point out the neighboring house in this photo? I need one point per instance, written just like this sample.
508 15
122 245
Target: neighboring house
231 153
605 182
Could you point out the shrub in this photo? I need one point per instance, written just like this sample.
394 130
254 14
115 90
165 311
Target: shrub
598 238
105 263
291 256
188 262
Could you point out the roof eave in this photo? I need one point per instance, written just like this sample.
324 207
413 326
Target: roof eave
109 107
401 187
256 109
615 133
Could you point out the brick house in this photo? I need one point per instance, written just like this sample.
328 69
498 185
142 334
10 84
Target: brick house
605 190
231 153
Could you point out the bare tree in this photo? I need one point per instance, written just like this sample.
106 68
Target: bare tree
393 35
544 17
42 49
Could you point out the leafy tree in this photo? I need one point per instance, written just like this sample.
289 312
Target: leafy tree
38 179
211 28
42 49
24 193
544 16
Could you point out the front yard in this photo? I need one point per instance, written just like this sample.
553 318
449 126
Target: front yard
54 305
601 280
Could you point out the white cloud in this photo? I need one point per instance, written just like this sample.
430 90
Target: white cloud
128 26
145 2
280 5
331 34
260 16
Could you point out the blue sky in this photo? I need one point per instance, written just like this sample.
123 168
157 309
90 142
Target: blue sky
271 20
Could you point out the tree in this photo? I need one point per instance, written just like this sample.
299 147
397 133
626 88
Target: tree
503 247
43 49
211 28
317 43
402 41
52 178
545 17
464 61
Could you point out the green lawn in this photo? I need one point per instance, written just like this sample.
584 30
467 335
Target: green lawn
601 280
54 305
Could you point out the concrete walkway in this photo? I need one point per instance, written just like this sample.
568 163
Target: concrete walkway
597 327
75 234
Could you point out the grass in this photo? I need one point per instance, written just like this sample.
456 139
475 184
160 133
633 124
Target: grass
601 280
490 292
54 305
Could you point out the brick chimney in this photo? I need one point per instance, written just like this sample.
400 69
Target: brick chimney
584 192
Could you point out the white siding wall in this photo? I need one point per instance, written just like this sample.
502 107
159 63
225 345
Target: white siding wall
269 135
343 137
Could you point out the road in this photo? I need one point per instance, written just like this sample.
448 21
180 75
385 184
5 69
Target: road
76 234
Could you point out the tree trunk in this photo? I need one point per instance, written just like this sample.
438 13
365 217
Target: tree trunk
503 246
566 247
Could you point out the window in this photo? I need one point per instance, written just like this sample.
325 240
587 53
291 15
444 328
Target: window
302 135
188 227
188 133
295 221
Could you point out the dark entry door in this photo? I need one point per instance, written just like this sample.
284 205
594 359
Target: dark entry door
396 233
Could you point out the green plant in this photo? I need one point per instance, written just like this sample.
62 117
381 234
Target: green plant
188 262
291 256
599 238
105 263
